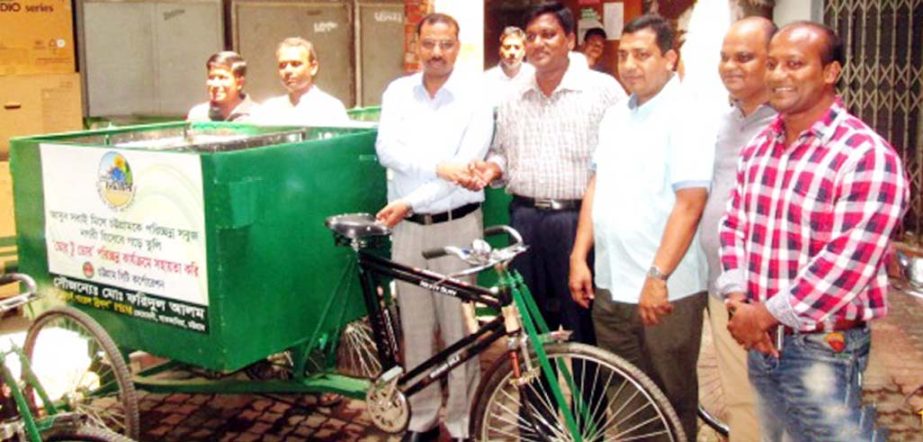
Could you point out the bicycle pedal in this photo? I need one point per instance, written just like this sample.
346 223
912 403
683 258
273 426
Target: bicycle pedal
391 375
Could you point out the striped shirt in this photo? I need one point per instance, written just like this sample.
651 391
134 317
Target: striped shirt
544 144
807 226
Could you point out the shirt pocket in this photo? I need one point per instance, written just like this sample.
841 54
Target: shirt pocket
810 209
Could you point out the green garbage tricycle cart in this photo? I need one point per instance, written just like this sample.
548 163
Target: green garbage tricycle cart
200 243
207 244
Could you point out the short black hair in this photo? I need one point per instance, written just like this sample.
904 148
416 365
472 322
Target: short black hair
659 25
561 13
594 31
229 60
833 46
438 17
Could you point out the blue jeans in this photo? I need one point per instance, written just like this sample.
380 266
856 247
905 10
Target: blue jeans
812 392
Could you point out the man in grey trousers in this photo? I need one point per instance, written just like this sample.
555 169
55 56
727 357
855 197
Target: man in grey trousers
433 123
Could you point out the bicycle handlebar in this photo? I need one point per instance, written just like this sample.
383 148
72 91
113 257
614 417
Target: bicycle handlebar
23 298
481 254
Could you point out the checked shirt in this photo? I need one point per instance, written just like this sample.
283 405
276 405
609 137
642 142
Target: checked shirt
807 227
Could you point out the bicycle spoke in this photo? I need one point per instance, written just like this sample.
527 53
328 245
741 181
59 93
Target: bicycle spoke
597 410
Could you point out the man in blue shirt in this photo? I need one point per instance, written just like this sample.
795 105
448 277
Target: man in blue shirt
642 206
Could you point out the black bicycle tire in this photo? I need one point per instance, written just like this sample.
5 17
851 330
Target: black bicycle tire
501 368
86 433
127 394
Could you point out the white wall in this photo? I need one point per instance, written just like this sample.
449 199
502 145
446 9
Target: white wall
470 16
787 11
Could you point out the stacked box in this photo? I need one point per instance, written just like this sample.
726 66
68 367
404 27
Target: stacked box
39 89
36 37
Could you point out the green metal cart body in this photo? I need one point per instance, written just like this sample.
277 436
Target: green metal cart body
203 243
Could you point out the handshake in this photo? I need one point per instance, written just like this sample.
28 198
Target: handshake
474 176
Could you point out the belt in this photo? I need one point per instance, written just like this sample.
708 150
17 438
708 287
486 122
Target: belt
547 203
839 325
436 218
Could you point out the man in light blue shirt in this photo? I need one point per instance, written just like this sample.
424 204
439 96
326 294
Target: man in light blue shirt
653 167
432 125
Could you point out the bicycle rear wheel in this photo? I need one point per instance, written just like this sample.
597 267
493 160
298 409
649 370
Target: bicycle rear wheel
82 370
621 402
712 411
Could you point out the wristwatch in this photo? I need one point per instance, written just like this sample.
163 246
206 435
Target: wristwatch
655 273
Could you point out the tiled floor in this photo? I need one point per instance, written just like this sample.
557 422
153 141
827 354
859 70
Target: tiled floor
891 382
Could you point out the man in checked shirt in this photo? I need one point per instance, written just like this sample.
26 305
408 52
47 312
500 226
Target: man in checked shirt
803 244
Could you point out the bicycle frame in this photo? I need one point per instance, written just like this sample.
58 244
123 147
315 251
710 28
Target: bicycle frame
510 290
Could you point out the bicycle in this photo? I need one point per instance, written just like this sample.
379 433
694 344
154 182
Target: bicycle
543 388
22 417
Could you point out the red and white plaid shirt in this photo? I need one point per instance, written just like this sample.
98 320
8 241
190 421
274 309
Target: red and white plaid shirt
807 227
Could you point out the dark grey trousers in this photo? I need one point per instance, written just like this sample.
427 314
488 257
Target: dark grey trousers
667 352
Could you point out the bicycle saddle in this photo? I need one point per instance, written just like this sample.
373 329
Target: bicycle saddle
356 225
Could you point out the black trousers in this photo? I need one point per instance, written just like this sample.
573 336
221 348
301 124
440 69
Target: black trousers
545 266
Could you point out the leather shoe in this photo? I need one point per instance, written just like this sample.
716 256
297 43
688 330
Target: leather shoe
424 436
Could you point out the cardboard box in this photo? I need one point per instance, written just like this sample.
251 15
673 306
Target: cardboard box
36 37
38 104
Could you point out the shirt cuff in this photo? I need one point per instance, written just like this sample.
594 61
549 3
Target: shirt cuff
691 184
780 308
731 281
501 163
414 201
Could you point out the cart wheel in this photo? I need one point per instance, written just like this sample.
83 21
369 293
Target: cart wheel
356 355
81 369
275 366
85 434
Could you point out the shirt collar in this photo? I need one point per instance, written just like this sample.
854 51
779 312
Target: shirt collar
574 79
668 89
449 90
823 129
242 108
762 111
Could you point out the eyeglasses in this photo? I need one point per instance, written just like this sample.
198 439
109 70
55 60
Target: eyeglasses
445 45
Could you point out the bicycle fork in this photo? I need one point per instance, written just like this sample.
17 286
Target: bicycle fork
523 306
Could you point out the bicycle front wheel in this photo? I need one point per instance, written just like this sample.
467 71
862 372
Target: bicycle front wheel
610 399
81 369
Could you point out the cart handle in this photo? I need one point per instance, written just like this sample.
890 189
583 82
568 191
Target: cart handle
23 298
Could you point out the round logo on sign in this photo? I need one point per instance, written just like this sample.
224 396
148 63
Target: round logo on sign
88 270
115 185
